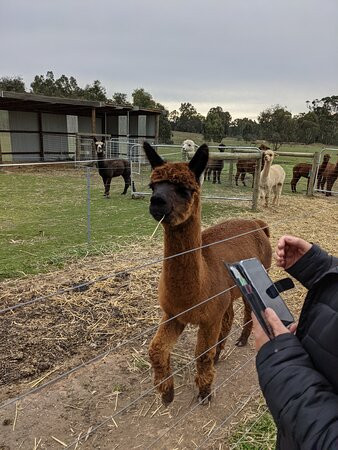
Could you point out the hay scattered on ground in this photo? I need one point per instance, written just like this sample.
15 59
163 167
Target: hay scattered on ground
39 338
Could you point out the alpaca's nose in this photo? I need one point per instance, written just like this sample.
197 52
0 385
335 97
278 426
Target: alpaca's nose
157 200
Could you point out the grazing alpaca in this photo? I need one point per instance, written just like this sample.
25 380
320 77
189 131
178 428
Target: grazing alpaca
111 168
330 175
215 166
192 277
245 166
271 179
300 170
321 170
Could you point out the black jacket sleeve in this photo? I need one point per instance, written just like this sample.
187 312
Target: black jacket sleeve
312 266
301 400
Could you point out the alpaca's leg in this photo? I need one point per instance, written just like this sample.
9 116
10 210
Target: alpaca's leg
214 175
159 353
219 176
247 325
243 178
322 183
294 182
105 181
205 354
278 192
266 196
236 177
107 187
227 321
127 183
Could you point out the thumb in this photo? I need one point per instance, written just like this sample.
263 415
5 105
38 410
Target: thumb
275 322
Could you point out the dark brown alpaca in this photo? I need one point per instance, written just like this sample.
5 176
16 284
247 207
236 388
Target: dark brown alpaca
329 177
189 279
215 167
321 170
300 170
245 166
111 168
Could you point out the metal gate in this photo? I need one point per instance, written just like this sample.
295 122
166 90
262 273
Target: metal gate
140 170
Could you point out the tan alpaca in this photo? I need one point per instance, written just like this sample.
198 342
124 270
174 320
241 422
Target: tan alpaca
189 279
271 180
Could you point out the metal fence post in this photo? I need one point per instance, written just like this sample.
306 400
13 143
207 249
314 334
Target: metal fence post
257 176
88 204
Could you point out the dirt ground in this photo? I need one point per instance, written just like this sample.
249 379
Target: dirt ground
110 403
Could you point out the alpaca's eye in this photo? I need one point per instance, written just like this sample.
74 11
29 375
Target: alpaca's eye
183 191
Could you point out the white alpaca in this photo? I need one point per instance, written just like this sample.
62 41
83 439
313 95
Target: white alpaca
188 146
271 179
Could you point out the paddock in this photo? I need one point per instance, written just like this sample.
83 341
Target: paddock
75 330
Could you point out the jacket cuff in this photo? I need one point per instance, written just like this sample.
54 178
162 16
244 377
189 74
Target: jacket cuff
280 342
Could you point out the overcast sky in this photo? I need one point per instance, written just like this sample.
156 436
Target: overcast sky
243 55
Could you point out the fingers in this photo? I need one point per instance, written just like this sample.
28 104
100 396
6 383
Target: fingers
275 322
293 327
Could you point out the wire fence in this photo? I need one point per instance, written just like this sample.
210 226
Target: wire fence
48 208
147 263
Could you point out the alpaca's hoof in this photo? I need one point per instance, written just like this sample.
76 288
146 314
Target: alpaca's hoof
204 396
168 397
241 342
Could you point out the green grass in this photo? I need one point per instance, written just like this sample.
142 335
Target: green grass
43 212
43 219
252 435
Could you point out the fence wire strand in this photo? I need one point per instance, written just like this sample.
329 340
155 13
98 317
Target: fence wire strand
148 391
130 270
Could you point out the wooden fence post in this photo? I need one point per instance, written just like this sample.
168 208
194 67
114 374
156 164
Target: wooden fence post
313 176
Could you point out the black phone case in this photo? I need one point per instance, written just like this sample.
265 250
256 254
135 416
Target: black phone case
248 283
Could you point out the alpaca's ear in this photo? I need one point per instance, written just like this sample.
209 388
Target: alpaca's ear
95 140
199 161
154 159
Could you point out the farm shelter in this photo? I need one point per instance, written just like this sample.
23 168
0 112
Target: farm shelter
39 128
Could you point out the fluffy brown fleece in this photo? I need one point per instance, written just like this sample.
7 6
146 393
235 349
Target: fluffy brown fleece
177 173
194 276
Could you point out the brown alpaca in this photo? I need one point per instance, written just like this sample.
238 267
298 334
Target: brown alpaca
300 170
329 177
321 170
245 166
195 276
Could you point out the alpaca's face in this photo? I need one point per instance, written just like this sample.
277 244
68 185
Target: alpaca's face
326 158
172 201
268 156
99 147
188 145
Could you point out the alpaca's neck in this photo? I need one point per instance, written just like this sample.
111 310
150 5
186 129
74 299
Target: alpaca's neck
177 270
266 169
100 157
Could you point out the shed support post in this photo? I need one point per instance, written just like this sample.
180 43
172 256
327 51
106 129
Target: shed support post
42 156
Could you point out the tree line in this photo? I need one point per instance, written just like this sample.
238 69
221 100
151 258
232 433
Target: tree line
275 124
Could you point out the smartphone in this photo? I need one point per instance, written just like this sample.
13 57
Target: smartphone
260 292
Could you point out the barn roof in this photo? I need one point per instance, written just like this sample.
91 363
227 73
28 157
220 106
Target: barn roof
17 101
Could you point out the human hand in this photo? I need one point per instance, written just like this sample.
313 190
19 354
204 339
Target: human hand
276 324
289 250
